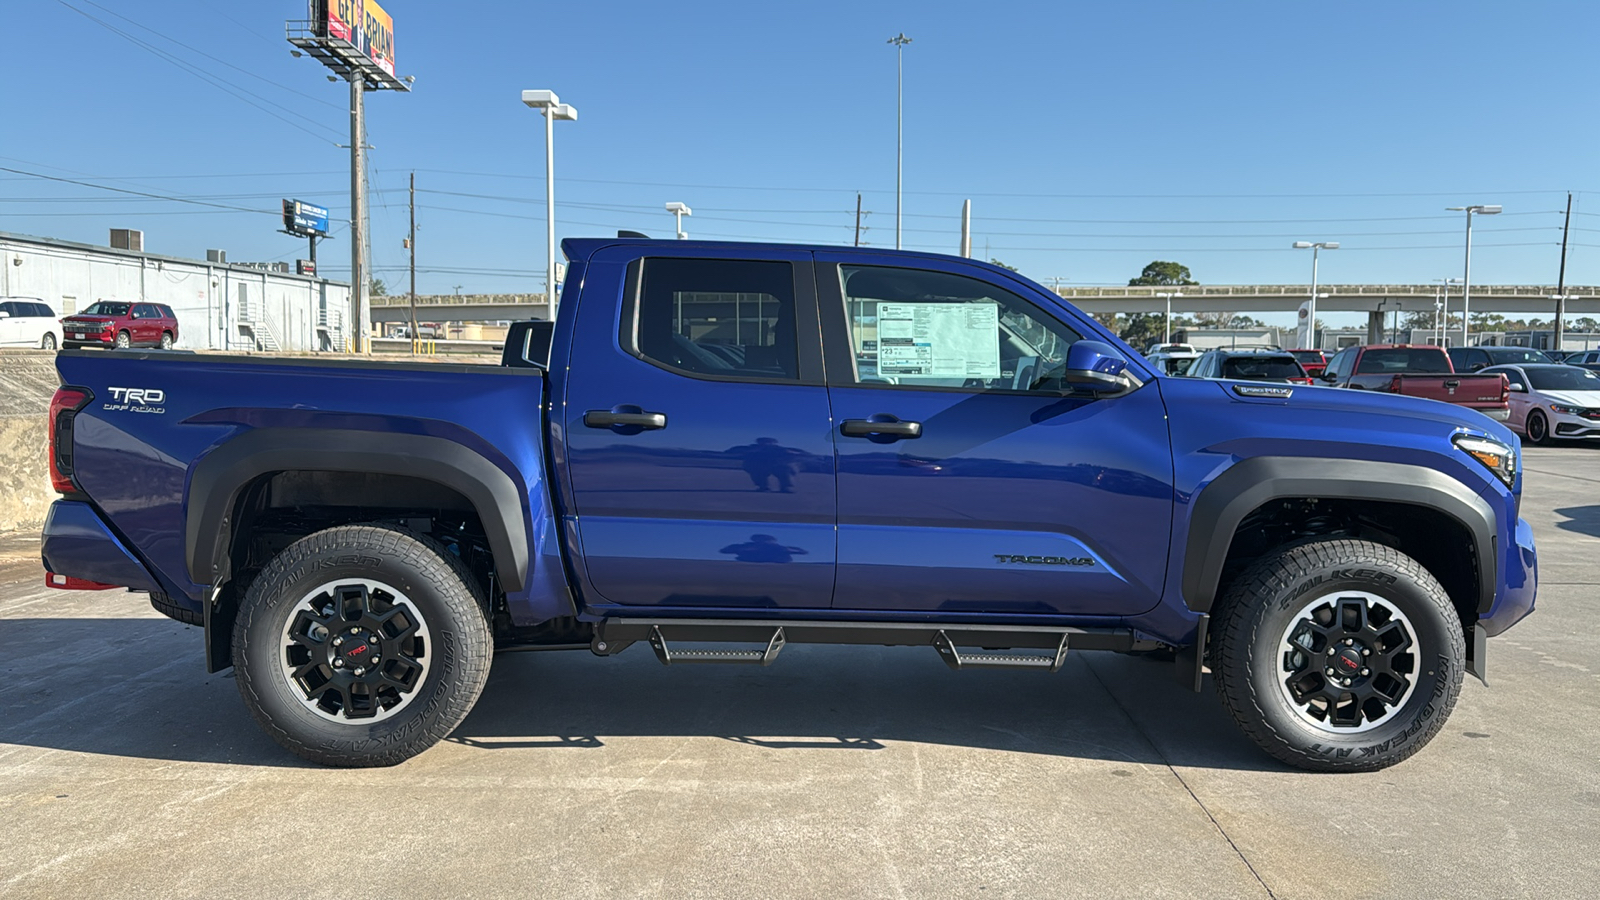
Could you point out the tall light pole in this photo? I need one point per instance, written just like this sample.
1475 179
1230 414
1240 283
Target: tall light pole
1441 316
679 210
551 107
899 41
1311 311
1466 274
1166 337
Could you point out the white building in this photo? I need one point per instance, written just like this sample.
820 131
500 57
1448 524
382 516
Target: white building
219 306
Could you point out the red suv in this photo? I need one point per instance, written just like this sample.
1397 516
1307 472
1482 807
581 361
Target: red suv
121 324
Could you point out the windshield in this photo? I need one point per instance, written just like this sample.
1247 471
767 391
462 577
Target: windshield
1262 368
1403 359
1563 378
1174 365
1505 355
104 308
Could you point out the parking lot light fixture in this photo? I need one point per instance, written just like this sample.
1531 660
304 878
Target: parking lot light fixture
551 107
1482 209
1315 247
679 210
1166 338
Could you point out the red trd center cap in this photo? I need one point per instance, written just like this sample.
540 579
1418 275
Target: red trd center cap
1348 662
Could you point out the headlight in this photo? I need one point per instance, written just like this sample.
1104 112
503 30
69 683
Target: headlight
1568 410
1495 456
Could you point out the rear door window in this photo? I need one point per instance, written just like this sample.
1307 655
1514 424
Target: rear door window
717 318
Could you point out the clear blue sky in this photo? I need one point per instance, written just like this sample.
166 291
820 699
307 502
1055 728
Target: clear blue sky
1092 138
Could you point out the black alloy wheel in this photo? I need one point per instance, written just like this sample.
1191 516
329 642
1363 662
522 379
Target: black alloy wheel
1537 428
362 645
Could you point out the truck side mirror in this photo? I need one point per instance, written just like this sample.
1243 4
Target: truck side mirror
1097 367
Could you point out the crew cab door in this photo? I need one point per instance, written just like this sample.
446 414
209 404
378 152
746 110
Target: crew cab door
969 480
697 432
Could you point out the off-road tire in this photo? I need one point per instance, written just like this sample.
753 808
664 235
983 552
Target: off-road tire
433 581
1249 653
1528 429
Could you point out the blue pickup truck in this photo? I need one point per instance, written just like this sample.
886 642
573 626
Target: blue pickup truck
728 448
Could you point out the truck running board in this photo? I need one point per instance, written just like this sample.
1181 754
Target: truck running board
614 635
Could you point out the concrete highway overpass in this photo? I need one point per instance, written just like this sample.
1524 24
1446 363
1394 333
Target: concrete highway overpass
1517 300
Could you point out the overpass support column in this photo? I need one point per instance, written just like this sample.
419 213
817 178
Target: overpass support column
1375 333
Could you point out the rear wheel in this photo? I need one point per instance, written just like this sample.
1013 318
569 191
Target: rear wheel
1338 655
1538 427
48 342
361 645
124 340
166 340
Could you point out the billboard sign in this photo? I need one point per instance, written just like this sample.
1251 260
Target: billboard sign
304 219
363 23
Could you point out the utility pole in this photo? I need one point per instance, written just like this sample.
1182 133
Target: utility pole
360 311
899 41
858 218
411 244
966 228
1561 282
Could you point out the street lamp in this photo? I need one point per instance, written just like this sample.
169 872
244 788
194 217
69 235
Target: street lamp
899 41
1466 275
679 210
1311 312
1167 337
1441 303
551 107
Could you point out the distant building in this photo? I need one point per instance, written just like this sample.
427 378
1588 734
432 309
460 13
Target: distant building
220 305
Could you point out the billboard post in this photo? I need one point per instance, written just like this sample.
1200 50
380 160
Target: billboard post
355 39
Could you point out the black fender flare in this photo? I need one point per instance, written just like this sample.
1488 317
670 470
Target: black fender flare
220 476
1222 504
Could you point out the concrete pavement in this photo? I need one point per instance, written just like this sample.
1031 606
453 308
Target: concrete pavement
126 771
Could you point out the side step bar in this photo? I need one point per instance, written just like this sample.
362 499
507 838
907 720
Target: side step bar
614 635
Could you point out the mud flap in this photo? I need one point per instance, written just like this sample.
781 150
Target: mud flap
1191 660
1477 653
220 611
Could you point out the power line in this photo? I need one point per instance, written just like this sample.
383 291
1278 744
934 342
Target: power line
106 187
214 80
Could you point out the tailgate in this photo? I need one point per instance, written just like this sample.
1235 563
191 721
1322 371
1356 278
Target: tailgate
1474 391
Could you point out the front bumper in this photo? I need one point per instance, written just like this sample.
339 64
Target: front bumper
87 337
78 543
1563 425
1519 580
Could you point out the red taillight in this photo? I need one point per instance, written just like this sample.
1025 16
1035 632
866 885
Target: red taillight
63 407
68 583
1301 381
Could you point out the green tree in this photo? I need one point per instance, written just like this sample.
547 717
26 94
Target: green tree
996 262
377 288
1159 272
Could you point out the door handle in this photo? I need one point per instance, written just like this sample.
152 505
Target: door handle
880 426
609 418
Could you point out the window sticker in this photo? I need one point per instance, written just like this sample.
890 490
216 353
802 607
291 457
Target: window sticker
939 340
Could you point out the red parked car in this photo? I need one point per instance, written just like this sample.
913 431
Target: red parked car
121 324
1313 361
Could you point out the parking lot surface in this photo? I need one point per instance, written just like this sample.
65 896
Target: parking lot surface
127 771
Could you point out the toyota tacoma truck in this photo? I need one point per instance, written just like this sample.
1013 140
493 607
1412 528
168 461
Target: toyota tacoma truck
1418 371
729 448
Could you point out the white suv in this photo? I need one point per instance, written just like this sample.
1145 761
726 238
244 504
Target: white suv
28 322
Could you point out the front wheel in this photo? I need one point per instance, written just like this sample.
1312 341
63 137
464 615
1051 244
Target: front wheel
1338 655
1537 428
124 340
361 645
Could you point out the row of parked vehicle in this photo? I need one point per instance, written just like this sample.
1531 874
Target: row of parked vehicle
122 324
1533 392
